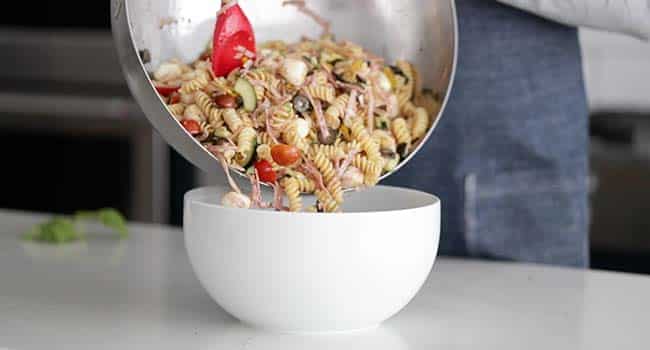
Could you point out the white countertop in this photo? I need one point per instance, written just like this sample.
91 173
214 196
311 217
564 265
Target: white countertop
142 294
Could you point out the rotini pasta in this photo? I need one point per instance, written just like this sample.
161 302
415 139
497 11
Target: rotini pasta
246 142
360 134
420 123
261 75
346 116
177 109
328 204
371 169
404 90
259 91
409 109
292 137
265 138
193 85
292 190
330 177
305 185
333 152
233 120
325 92
219 86
385 140
193 112
402 134
429 102
282 116
336 110
209 109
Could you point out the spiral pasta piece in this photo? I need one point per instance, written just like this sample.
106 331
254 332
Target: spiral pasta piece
359 133
206 128
193 112
371 169
177 109
209 109
305 184
232 119
420 123
292 190
219 86
327 202
282 116
246 141
336 111
259 92
320 78
408 110
261 75
405 91
325 93
352 146
265 138
330 177
193 85
291 137
385 140
246 118
401 132
429 102
332 152
202 66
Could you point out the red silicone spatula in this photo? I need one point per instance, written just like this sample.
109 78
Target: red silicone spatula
234 39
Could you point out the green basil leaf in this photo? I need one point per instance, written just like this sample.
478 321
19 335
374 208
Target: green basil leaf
56 231
114 220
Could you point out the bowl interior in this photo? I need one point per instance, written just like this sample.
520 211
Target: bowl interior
372 200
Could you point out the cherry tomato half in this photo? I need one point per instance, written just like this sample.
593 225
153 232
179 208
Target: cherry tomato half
166 90
265 171
285 155
192 126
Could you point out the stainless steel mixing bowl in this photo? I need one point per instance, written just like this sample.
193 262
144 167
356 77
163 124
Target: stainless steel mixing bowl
421 31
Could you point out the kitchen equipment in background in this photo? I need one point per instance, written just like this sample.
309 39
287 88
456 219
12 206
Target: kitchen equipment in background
620 161
74 138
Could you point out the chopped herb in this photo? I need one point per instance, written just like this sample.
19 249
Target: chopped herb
381 123
61 230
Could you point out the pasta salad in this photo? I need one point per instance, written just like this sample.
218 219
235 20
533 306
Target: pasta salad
312 117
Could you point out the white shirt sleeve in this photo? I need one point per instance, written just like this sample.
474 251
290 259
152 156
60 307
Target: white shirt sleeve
623 16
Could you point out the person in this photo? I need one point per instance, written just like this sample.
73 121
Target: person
510 156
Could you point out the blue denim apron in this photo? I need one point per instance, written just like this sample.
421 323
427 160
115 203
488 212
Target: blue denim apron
509 157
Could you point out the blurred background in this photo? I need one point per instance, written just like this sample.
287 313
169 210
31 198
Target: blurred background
74 139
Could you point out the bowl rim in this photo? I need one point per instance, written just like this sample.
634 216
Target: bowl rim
430 199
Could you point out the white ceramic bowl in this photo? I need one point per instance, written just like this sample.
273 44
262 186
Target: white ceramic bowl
307 272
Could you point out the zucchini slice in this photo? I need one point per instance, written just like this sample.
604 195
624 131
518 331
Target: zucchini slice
247 92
